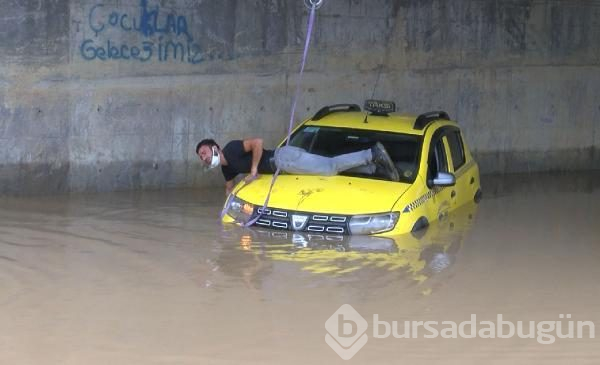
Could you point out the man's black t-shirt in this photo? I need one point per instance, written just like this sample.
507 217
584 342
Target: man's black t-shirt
240 161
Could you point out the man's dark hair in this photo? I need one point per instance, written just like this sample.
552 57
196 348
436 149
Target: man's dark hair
207 142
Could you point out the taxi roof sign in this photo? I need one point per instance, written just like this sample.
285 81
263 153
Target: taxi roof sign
380 107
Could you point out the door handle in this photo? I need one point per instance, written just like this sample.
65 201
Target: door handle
453 194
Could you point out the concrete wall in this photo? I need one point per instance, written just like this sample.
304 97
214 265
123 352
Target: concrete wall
114 94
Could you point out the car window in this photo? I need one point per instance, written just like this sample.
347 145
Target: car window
437 160
457 151
404 149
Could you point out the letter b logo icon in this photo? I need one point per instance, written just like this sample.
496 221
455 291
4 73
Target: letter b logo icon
346 332
346 328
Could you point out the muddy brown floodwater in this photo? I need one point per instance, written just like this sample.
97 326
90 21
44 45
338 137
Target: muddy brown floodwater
153 278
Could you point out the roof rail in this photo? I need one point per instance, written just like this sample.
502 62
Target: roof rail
325 111
426 118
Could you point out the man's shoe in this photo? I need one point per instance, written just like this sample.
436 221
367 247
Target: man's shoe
383 161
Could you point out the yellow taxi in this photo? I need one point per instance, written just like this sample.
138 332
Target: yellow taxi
437 175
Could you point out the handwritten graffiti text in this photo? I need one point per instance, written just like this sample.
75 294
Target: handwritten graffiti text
167 36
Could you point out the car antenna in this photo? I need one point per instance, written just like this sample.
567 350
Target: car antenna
379 68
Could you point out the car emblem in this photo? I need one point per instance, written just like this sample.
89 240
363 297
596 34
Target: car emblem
299 221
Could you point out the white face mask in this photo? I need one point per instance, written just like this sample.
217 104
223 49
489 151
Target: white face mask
216 160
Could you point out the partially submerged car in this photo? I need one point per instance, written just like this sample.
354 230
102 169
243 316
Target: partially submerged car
427 258
436 169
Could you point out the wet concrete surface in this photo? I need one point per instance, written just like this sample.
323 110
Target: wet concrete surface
153 278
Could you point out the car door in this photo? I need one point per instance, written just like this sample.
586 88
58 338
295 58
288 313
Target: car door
459 166
440 202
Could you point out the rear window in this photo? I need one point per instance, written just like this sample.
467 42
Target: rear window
404 149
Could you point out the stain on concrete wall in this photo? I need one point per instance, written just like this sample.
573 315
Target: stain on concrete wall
99 95
34 31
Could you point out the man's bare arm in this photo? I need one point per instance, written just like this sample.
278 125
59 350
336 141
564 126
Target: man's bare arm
254 145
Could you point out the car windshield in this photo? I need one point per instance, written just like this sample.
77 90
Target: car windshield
404 149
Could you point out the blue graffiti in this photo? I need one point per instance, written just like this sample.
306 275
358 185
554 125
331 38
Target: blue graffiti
89 51
150 22
162 51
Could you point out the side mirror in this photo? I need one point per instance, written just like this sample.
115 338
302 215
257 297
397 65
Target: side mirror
444 179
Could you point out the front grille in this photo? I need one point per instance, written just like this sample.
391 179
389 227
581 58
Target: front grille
302 221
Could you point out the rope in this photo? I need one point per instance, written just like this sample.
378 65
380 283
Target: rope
313 5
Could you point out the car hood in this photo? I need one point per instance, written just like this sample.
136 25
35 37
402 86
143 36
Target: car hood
324 194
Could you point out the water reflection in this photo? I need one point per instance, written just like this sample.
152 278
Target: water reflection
415 258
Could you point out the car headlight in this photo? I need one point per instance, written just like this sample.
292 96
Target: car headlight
238 209
373 223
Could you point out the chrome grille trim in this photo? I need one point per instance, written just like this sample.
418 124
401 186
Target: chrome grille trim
265 211
276 218
335 229
279 224
315 228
